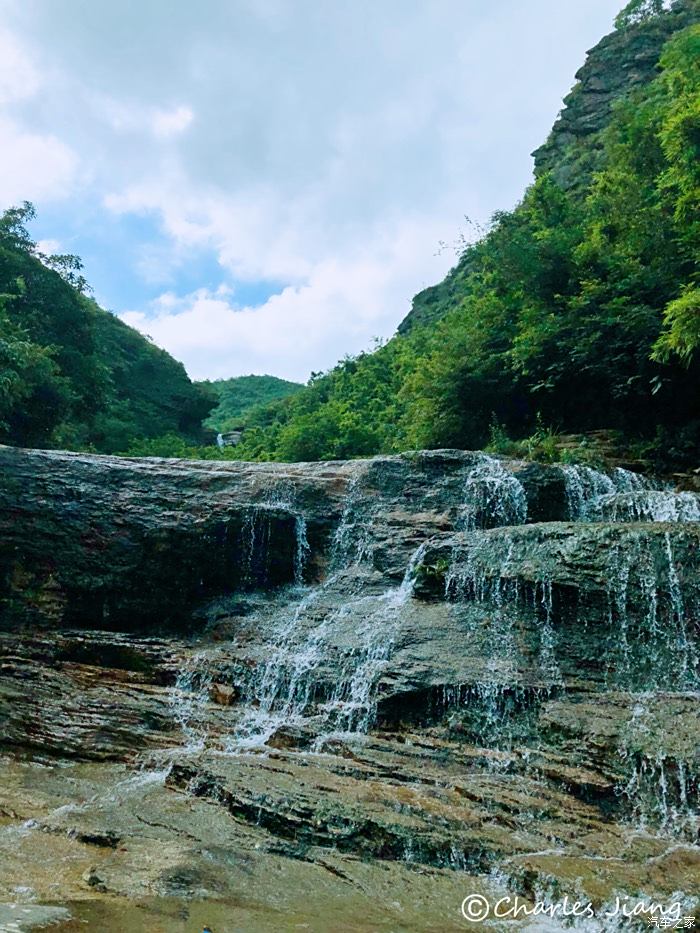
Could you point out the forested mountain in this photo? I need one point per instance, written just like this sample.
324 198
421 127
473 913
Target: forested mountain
239 395
578 310
71 374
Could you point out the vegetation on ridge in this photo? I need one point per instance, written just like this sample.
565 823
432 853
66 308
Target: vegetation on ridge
71 374
579 309
239 395
576 311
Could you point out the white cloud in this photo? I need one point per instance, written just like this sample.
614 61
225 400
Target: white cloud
33 167
132 117
19 78
171 122
49 247
328 147
340 306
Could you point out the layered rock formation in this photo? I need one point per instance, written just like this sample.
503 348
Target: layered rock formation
257 695
619 64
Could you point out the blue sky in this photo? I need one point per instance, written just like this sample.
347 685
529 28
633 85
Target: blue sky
262 185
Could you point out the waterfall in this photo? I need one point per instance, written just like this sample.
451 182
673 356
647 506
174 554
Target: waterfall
492 496
649 642
584 488
587 488
189 701
624 496
301 550
315 674
629 481
254 541
352 707
481 570
496 715
660 505
291 687
352 541
256 537
661 783
285 684
647 639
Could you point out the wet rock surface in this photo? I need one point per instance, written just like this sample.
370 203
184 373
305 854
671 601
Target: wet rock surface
421 679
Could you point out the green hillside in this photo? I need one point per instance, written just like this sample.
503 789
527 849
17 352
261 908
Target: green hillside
578 310
71 374
237 396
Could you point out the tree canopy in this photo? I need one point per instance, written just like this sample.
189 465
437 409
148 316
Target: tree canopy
72 374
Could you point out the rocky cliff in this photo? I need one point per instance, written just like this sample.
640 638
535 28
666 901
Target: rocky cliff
624 61
621 62
260 695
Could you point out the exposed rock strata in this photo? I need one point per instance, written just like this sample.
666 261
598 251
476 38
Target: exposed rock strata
531 690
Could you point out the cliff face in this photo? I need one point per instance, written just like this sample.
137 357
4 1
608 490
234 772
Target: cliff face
109 542
122 543
621 62
349 674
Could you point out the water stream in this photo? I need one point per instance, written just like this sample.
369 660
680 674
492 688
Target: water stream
319 665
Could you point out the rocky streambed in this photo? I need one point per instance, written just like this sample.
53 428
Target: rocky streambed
343 696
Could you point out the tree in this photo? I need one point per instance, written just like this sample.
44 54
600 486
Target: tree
637 11
33 397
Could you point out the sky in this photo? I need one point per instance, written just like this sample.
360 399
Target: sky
261 186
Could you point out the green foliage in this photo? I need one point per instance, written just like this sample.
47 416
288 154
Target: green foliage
637 11
237 396
71 374
150 393
33 396
679 136
545 445
682 317
577 309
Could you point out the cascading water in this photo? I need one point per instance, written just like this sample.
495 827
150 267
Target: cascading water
530 724
256 536
352 707
625 496
646 650
648 642
649 645
319 666
189 701
352 541
650 506
492 496
584 489
661 786
587 489
294 684
255 546
302 549
293 687
191 695
485 572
